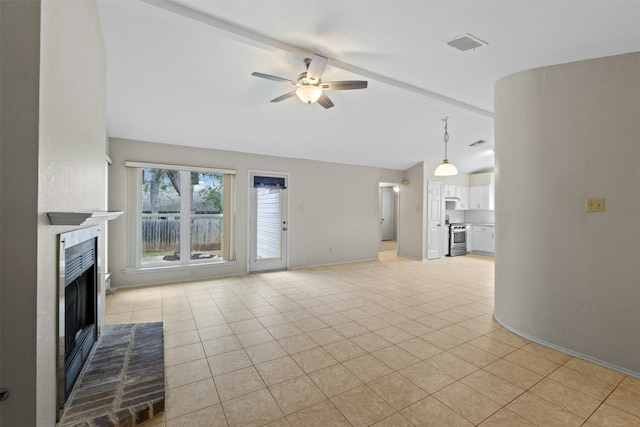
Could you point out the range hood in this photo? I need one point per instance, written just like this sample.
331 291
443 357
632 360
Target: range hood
452 199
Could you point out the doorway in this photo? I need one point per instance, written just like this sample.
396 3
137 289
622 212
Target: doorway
268 223
388 217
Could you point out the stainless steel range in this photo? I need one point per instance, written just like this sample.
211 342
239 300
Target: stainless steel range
457 239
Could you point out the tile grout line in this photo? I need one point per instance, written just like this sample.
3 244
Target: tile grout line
368 290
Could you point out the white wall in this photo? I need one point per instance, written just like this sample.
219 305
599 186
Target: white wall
412 224
333 216
52 160
565 277
412 233
460 179
71 160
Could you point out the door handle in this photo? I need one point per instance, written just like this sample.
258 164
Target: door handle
284 228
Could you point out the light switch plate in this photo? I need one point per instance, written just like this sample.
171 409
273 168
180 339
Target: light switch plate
595 205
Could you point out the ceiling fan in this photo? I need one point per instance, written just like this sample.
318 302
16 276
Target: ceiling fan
309 87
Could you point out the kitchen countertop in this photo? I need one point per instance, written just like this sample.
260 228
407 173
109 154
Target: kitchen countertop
472 223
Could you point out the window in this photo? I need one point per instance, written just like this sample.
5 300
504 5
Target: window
181 215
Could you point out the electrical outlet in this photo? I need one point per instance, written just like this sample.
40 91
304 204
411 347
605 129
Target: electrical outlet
595 205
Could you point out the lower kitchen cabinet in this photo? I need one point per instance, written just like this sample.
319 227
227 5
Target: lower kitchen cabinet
484 239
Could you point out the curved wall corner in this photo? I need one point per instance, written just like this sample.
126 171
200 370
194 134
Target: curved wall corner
564 277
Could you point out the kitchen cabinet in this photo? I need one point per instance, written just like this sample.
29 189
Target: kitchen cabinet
481 197
450 191
484 238
462 193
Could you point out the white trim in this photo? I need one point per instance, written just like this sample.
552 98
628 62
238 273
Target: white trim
569 352
131 164
80 218
160 269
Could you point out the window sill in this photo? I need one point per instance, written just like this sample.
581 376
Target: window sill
159 269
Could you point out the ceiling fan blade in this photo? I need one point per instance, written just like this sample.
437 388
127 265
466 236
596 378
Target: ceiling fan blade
275 78
316 68
344 85
325 101
285 96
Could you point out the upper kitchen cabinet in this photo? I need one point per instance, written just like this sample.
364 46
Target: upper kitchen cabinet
481 192
462 193
481 197
450 191
459 194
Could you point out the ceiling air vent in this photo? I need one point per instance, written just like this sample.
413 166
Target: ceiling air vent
466 42
477 143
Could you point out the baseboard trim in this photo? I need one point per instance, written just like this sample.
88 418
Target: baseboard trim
568 351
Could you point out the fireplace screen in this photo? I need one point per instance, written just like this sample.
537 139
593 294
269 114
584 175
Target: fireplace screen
78 291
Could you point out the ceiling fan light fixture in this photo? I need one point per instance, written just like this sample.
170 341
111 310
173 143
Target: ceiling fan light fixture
309 93
309 87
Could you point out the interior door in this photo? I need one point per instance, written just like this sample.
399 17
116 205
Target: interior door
434 219
268 222
386 213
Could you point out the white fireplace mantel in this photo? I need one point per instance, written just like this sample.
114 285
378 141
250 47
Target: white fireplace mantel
80 218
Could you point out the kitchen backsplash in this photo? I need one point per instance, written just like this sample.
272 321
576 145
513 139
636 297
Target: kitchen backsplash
472 216
455 216
480 217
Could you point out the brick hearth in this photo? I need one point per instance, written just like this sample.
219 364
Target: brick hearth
122 383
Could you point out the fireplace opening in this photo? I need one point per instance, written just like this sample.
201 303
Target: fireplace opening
78 305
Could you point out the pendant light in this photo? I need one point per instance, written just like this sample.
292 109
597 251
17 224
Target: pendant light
446 168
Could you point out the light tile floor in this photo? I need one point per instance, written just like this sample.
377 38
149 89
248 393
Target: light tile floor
396 342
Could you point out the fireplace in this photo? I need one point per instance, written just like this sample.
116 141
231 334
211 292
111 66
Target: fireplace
77 305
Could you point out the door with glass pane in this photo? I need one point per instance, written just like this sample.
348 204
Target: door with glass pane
268 222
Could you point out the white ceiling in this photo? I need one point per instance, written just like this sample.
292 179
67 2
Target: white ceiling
180 72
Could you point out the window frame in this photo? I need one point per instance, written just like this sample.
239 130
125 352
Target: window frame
133 252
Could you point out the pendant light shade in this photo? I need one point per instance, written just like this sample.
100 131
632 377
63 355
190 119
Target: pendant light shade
309 93
446 168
